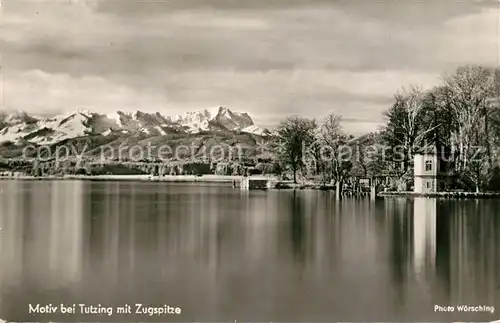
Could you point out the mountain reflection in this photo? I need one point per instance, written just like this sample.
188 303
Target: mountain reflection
223 254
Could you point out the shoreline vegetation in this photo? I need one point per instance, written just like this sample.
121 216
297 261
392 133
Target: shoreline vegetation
457 120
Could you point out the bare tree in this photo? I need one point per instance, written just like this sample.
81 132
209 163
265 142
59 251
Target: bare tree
406 130
469 90
366 159
334 141
317 164
412 127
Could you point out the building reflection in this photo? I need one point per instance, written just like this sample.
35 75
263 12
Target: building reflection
413 237
456 249
424 233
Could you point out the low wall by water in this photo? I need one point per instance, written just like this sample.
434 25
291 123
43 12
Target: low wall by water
254 183
472 195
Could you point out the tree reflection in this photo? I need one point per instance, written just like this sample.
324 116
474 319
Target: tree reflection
297 227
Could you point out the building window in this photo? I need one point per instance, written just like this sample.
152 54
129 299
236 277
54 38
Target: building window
428 165
428 184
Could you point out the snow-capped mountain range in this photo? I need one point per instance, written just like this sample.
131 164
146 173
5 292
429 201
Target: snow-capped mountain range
22 127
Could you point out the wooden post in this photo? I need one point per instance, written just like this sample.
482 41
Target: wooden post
373 190
338 190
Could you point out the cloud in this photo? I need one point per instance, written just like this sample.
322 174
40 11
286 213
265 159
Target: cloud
88 4
393 9
148 8
67 39
270 58
36 92
473 38
217 20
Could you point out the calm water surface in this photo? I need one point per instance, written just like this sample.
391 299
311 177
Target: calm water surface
221 254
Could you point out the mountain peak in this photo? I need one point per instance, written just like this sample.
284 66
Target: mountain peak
220 118
85 112
21 126
222 110
16 117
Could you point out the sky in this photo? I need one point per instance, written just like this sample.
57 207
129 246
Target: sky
269 58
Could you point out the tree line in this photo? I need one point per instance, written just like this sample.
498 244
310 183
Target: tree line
459 119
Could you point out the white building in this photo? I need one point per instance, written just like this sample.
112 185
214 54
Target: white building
426 171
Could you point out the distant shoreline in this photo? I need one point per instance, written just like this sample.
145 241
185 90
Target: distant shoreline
236 181
149 178
221 179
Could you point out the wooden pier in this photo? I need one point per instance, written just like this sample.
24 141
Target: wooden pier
263 183
371 191
248 183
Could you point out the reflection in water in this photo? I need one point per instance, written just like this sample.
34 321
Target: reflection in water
297 224
42 232
224 254
443 250
400 231
424 232
65 231
12 224
473 245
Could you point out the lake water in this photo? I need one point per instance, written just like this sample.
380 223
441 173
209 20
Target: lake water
221 254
